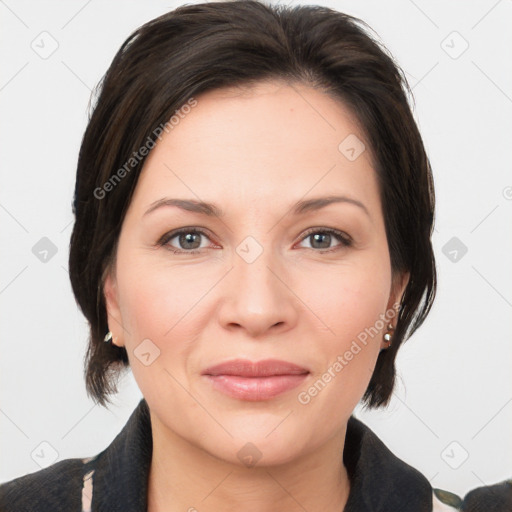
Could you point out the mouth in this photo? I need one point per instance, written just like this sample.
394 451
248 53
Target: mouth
255 381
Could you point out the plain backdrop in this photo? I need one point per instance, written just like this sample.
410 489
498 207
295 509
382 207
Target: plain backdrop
451 413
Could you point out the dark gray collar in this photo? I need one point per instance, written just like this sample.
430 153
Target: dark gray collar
380 481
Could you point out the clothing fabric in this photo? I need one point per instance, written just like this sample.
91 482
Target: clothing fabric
116 479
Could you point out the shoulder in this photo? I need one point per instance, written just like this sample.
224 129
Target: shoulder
57 487
382 481
379 479
488 498
118 475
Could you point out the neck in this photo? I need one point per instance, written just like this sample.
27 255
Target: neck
183 477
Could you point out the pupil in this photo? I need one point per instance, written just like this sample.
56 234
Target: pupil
187 239
322 236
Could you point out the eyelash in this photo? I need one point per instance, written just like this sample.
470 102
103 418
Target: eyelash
345 240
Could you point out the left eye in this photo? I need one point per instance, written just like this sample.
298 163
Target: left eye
321 239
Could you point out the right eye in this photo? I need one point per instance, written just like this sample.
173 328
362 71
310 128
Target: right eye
188 240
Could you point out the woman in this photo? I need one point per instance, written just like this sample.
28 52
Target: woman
254 208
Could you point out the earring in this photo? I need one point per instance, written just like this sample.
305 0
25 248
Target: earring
388 336
108 337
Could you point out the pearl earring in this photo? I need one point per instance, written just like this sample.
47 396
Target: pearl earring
108 337
388 336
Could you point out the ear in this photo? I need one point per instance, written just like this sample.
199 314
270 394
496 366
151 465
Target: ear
398 286
114 317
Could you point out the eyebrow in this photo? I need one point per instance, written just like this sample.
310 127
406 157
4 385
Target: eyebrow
211 210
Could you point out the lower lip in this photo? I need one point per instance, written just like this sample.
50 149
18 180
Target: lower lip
255 388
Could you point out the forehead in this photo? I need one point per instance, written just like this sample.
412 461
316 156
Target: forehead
282 116
256 144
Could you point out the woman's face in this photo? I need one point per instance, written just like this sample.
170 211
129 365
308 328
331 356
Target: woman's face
265 279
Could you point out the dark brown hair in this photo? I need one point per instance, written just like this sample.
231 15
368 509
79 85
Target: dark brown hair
198 48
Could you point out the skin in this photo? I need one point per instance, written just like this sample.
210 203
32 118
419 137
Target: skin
254 153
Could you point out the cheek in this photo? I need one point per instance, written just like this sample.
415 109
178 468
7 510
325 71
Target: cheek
349 299
156 299
352 304
154 307
165 305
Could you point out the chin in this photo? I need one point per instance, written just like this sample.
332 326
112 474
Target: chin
257 453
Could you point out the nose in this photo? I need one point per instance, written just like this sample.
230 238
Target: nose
257 296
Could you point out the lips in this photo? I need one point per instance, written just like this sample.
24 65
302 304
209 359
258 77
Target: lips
255 381
246 368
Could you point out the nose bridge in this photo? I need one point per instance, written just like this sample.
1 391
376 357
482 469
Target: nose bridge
255 267
257 298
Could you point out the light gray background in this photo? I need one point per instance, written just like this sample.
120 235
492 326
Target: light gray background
454 393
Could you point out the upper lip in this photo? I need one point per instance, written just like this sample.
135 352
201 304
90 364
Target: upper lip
246 368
